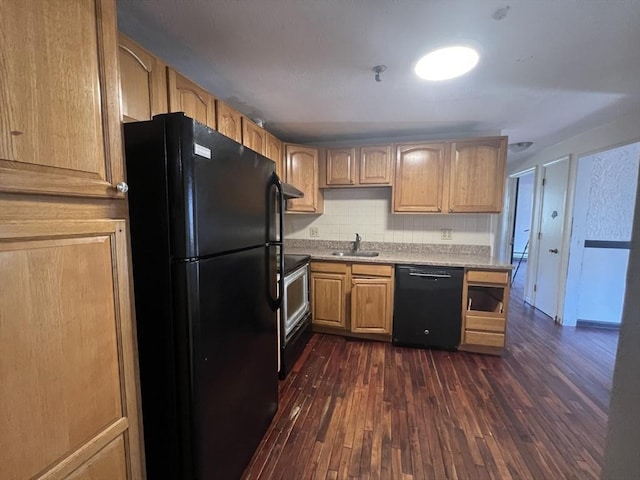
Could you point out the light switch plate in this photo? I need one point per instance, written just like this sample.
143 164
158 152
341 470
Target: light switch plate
446 234
314 232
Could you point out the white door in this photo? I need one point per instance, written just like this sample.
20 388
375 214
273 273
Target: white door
554 196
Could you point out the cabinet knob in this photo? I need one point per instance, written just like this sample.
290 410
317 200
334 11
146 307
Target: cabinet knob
553 250
122 187
426 332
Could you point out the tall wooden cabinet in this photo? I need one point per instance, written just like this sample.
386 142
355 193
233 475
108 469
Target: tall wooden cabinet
68 377
68 406
60 120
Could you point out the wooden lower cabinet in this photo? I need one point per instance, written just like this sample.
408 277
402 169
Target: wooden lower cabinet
372 299
485 302
68 377
352 299
329 289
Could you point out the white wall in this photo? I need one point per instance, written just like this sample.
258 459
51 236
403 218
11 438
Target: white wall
623 440
367 211
603 210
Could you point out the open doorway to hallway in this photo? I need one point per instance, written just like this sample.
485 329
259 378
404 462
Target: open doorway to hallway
521 233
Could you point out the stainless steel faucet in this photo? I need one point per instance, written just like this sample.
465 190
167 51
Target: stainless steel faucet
356 244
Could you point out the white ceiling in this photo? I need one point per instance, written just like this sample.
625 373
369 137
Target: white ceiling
548 70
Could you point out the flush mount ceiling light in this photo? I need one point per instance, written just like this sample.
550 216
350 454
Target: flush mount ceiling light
446 63
519 147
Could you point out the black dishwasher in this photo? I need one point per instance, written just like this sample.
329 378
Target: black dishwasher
427 308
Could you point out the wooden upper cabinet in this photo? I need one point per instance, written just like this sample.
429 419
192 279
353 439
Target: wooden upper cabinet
68 377
60 127
253 136
376 165
419 179
188 97
229 121
275 151
143 82
302 172
341 166
478 175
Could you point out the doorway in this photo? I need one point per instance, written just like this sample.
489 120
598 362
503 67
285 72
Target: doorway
520 240
550 254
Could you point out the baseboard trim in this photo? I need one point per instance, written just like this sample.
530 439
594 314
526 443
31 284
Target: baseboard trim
597 324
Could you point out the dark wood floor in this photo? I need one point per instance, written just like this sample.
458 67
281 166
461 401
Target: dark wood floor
358 410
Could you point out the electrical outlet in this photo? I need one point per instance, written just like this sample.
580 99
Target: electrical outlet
445 234
314 232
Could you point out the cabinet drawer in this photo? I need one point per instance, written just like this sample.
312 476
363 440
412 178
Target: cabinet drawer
329 267
483 276
484 338
491 324
369 269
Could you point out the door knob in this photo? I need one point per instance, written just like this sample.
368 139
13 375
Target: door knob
553 250
122 187
426 332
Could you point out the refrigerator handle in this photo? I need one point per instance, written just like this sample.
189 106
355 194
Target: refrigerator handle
275 182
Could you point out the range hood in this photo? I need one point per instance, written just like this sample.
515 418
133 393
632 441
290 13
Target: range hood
289 191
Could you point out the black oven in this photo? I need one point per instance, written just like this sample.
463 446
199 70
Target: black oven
294 316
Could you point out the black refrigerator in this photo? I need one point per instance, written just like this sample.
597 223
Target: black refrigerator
204 238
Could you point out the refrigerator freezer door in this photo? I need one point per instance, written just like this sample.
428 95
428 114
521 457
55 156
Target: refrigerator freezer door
234 391
226 190
209 194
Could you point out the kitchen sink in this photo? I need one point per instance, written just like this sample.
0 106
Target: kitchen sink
355 253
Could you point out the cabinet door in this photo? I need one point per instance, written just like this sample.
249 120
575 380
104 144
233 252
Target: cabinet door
274 151
328 297
371 305
477 175
302 173
143 82
229 123
60 108
67 374
341 166
419 181
186 96
375 165
254 136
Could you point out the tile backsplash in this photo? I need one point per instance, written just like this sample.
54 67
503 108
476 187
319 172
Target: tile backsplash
367 211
